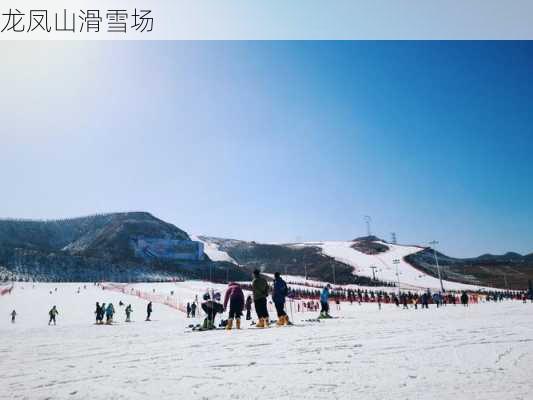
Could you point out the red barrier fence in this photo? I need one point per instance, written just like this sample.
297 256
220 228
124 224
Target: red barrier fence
170 301
6 290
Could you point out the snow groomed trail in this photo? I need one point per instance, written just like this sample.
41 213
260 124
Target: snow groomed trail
480 352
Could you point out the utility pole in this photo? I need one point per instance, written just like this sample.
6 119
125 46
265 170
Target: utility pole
373 268
505 279
397 262
434 243
393 238
305 267
368 219
333 267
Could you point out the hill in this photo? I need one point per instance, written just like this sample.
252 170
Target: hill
510 270
132 246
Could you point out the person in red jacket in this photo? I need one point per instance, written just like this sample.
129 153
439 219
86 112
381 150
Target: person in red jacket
235 297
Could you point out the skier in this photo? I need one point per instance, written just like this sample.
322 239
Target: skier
425 300
279 292
53 313
128 311
148 311
13 315
396 300
235 297
464 299
98 314
324 302
188 310
193 310
249 308
211 309
260 292
109 312
102 313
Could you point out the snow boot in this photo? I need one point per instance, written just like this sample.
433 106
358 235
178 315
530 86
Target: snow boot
238 324
281 321
229 324
260 323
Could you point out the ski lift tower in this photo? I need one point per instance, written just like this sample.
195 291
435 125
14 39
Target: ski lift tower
434 243
397 262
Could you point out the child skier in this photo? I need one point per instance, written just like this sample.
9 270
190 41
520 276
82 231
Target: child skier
235 297
109 312
53 313
211 309
249 308
128 311
13 315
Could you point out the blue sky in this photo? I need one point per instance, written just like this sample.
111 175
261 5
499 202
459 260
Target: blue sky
277 141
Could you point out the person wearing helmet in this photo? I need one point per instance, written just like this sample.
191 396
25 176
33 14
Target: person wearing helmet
260 292
211 309
235 297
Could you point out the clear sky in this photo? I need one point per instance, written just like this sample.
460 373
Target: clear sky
276 141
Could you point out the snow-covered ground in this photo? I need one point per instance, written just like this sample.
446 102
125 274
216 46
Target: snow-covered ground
481 352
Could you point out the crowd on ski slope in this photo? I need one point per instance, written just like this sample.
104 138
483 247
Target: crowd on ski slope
235 302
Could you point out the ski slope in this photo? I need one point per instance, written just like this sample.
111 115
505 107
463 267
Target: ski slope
213 252
410 277
480 352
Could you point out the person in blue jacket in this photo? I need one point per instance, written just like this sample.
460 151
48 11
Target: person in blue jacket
279 292
324 302
109 312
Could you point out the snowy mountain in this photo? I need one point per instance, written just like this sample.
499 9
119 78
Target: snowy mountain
137 246
370 260
133 246
292 259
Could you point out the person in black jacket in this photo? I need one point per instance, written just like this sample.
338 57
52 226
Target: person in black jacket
148 311
248 306
211 309
99 314
279 292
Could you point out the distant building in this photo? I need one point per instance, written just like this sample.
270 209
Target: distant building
169 249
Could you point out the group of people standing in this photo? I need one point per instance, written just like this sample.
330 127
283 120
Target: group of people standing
109 311
234 299
103 310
